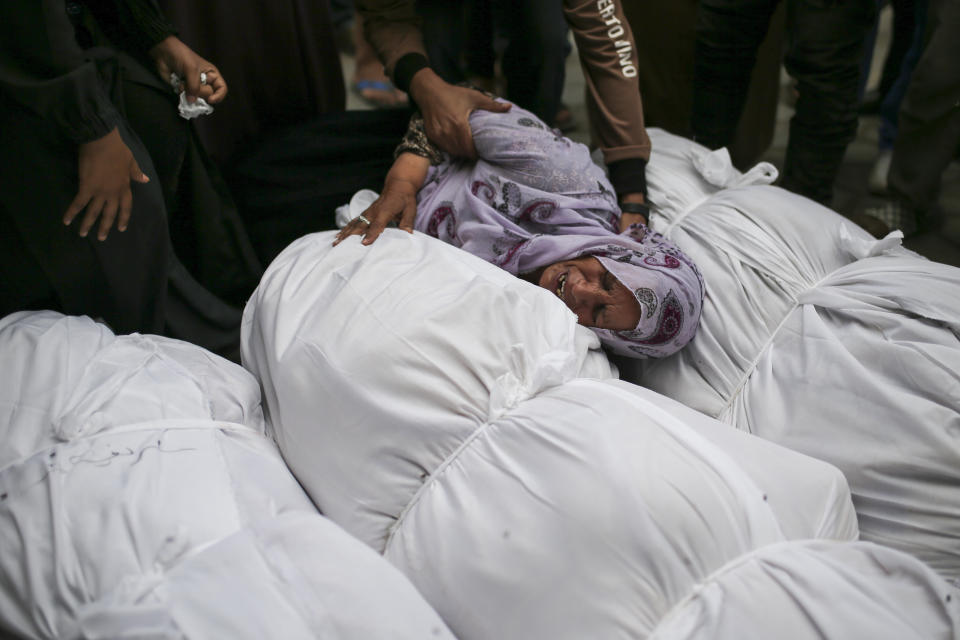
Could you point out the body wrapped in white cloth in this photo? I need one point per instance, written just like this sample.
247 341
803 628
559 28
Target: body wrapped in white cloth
459 421
818 337
139 498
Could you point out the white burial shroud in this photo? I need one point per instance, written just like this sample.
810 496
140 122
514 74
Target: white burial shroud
140 498
821 338
460 422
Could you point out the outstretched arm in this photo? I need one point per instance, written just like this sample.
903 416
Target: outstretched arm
398 200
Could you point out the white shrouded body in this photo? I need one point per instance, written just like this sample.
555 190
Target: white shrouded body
818 337
139 498
457 420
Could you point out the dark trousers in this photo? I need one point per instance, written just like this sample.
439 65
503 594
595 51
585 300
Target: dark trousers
341 12
444 28
824 49
894 93
928 136
290 183
45 265
904 21
534 61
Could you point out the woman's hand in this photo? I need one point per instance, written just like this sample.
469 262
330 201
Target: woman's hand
105 168
173 56
446 112
398 200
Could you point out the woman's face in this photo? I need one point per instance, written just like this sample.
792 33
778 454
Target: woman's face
596 297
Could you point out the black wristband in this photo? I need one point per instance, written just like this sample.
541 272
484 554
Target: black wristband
406 67
635 207
629 176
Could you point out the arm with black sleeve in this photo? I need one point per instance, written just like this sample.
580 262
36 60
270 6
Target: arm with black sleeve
44 70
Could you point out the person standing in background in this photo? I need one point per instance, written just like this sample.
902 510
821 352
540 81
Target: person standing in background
282 60
108 205
891 96
901 40
825 41
928 131
667 30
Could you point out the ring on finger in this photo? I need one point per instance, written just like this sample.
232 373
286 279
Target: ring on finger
363 218
203 77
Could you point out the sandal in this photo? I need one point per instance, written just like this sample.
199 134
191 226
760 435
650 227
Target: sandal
380 94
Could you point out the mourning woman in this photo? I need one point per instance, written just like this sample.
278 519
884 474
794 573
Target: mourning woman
535 204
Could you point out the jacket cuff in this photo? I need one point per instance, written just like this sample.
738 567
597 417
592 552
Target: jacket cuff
92 115
629 176
406 67
94 127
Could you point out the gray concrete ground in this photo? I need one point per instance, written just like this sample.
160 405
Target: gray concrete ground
851 187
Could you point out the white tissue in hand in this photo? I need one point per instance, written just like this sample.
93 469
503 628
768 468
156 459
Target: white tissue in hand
190 110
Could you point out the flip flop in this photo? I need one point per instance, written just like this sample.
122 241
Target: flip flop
389 93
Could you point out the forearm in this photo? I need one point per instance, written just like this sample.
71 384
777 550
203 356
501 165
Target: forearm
423 83
409 170
398 201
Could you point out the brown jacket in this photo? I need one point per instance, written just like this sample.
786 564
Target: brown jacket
607 54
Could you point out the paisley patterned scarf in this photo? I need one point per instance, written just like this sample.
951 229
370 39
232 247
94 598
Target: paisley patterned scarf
534 198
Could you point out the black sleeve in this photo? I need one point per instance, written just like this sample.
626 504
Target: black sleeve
132 25
43 70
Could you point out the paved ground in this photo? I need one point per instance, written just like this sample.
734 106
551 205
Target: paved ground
851 188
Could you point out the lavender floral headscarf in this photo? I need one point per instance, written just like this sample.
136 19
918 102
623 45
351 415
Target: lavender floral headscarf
534 198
